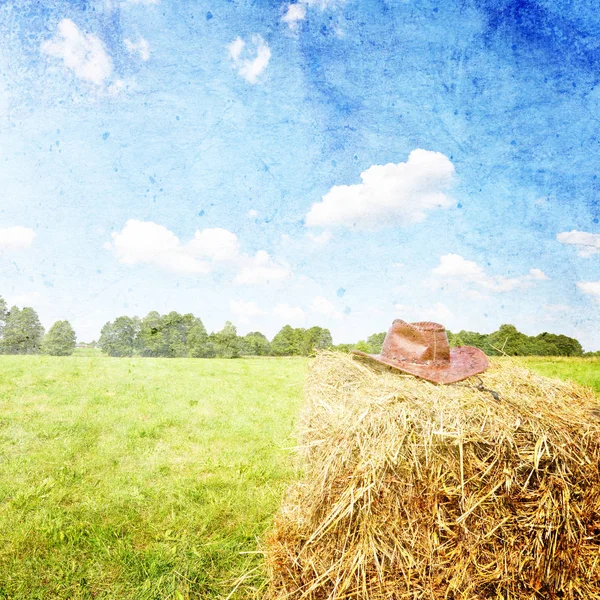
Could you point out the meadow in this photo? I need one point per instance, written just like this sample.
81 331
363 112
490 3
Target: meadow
150 478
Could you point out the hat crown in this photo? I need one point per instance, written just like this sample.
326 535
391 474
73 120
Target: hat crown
422 343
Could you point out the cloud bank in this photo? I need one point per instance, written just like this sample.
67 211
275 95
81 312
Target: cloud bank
147 243
389 195
587 243
82 53
455 269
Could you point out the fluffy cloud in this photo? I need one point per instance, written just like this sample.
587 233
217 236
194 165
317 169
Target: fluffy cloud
81 52
16 238
261 269
294 14
453 268
289 313
245 309
252 214
141 48
250 63
152 244
392 194
592 288
587 243
219 245
145 242
325 307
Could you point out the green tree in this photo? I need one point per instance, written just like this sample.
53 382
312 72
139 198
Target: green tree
315 338
375 342
22 332
226 342
550 344
255 344
151 339
60 339
197 341
287 342
175 329
363 346
119 338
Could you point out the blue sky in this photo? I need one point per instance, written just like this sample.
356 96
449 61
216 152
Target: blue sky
330 162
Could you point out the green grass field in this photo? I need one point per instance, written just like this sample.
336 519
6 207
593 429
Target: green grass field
149 478
583 370
140 478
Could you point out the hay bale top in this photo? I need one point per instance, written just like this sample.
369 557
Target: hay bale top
416 490
345 394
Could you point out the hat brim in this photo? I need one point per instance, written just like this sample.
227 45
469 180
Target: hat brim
464 362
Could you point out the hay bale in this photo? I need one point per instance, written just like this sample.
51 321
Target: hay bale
414 490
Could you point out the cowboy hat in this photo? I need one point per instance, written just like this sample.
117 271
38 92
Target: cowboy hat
422 349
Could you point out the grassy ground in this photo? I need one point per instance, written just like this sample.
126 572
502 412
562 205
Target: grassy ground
149 478
139 478
583 370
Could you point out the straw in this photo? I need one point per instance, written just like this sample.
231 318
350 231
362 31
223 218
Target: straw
413 490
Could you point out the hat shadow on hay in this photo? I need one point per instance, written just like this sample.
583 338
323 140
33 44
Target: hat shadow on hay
413 490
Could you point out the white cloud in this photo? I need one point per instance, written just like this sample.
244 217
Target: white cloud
289 313
294 14
141 48
250 63
587 243
453 268
592 288
141 1
145 242
152 244
81 52
439 313
325 307
16 238
252 214
216 244
242 308
392 194
261 269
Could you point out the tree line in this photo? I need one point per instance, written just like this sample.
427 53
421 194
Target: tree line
175 335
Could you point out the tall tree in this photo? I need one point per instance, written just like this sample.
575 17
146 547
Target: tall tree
60 339
375 342
119 338
22 332
255 344
315 338
197 341
151 339
226 341
287 342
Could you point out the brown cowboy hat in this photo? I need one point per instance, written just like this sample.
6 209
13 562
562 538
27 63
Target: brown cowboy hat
422 349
